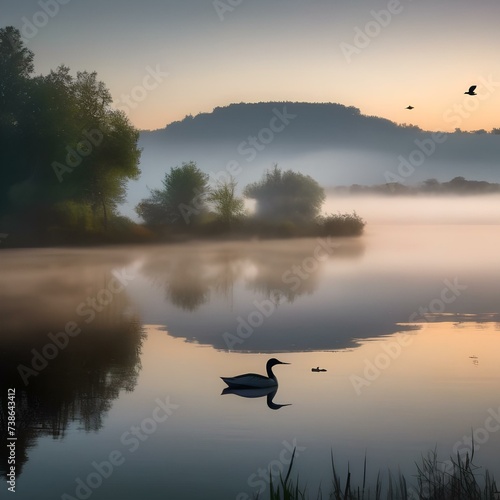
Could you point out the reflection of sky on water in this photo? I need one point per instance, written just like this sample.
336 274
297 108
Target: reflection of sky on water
266 296
429 395
362 290
432 391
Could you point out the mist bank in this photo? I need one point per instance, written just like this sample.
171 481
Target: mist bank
457 186
421 209
334 144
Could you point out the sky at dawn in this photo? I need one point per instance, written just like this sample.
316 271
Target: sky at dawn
165 59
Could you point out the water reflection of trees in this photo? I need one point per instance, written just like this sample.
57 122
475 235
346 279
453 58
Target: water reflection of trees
279 275
281 270
187 288
78 386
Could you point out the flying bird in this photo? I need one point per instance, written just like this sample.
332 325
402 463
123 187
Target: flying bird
409 107
471 90
253 380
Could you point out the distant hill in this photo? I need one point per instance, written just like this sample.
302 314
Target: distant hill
335 144
309 124
318 125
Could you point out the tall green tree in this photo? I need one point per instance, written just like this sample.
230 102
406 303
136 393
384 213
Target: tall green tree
102 154
228 207
16 118
62 145
286 195
183 199
16 67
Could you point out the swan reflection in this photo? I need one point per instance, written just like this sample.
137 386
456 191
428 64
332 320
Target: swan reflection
254 392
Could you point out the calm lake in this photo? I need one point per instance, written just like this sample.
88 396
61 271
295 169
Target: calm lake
116 355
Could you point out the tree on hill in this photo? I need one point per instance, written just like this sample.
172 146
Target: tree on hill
182 200
286 195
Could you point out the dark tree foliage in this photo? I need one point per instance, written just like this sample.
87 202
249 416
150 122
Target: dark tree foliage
286 195
182 201
16 107
65 154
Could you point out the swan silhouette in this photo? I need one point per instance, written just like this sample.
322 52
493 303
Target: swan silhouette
254 380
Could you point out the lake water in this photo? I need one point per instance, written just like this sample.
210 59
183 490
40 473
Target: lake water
115 356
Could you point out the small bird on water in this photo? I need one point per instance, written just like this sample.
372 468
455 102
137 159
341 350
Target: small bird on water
248 380
409 107
471 90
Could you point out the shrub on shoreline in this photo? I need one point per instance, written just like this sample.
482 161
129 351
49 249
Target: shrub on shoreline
341 224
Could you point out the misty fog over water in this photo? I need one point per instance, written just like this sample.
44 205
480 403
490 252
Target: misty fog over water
421 209
237 236
136 323
182 285
334 144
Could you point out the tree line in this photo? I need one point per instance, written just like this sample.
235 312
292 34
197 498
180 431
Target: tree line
456 186
66 156
287 203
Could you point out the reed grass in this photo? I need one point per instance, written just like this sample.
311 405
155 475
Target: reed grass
461 480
